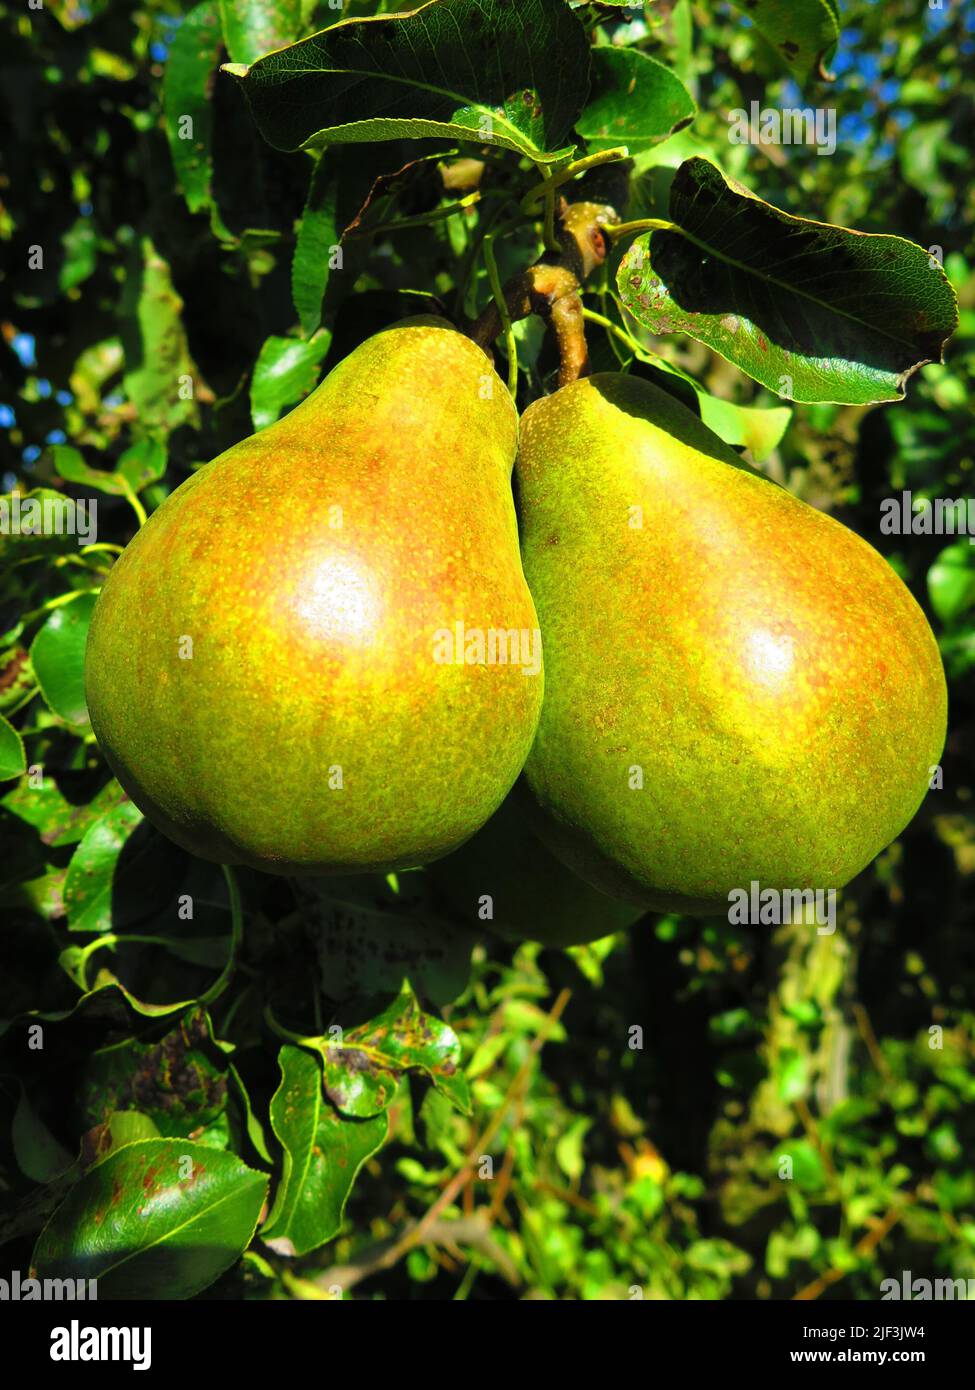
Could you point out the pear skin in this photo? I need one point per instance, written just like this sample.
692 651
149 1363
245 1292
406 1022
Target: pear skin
534 897
738 688
272 670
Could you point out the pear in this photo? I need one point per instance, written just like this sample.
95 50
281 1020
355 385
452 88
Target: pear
739 689
320 654
506 880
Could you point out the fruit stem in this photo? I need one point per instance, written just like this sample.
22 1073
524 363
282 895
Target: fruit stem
551 288
644 224
579 166
424 219
511 346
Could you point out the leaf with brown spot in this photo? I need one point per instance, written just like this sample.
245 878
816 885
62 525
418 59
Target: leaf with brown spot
171 1231
323 1152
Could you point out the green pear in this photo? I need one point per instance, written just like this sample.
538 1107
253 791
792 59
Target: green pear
738 688
320 654
533 897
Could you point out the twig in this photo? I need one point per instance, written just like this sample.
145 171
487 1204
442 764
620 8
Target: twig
863 1248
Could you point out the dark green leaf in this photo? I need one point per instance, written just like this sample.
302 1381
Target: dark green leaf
812 311
318 233
173 1081
800 31
484 70
367 943
323 1152
162 1218
39 1154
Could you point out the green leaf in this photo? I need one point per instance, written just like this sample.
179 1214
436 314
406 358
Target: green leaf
43 895
80 244
255 1130
162 1218
285 371
363 1071
951 581
323 1152
53 816
812 311
187 106
91 874
57 655
13 760
483 70
160 378
802 32
317 234
253 27
142 463
70 465
755 428
633 101
792 1075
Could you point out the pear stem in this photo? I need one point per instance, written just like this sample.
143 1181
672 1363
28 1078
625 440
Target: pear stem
579 166
551 288
644 224
511 346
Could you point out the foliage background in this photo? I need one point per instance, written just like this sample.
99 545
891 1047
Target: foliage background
614 1168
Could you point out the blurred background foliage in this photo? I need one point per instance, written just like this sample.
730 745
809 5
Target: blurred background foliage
624 1160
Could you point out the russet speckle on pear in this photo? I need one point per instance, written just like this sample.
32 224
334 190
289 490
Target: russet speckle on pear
738 687
306 572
